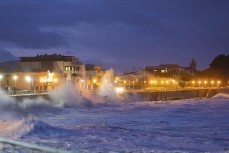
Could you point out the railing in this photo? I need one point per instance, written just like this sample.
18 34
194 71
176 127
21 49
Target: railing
17 145
26 92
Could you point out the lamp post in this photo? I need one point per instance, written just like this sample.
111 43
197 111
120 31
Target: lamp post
199 83
205 83
218 83
212 82
28 79
15 81
94 84
193 83
1 76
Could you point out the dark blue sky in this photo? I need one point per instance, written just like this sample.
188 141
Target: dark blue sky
117 33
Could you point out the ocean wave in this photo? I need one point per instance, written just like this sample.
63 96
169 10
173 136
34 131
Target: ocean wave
221 95
30 125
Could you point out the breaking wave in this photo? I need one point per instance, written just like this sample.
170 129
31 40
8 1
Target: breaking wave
221 95
30 125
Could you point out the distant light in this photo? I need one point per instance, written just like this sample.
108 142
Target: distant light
199 82
15 77
1 76
28 78
193 82
151 81
124 81
212 82
41 80
205 82
119 90
219 82
94 81
115 81
55 80
82 80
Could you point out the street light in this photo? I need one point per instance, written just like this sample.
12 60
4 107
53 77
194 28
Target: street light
212 82
205 82
218 83
199 83
28 79
1 76
94 84
193 83
15 79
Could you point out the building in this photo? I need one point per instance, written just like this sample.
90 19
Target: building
164 68
42 72
57 63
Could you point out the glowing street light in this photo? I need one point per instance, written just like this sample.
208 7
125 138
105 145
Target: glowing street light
151 82
205 83
28 79
42 80
199 83
212 82
1 76
218 83
193 83
15 79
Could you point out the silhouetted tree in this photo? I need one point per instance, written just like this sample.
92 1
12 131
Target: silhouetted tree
193 65
221 65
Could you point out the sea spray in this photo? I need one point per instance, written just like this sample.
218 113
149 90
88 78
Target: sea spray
68 96
107 89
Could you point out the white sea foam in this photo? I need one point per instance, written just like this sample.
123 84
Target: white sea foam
68 96
221 95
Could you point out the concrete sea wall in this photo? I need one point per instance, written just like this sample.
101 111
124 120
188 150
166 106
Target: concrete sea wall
155 95
181 94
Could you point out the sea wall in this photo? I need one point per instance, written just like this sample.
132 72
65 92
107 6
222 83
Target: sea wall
180 94
22 97
155 95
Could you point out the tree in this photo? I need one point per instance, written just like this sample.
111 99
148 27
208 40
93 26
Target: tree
193 65
220 65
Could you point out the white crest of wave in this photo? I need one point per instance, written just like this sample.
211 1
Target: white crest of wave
221 95
15 128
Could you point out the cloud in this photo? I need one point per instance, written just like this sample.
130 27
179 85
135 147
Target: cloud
134 30
6 56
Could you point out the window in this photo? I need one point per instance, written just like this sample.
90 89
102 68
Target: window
66 68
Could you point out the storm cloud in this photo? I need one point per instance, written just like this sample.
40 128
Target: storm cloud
134 32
